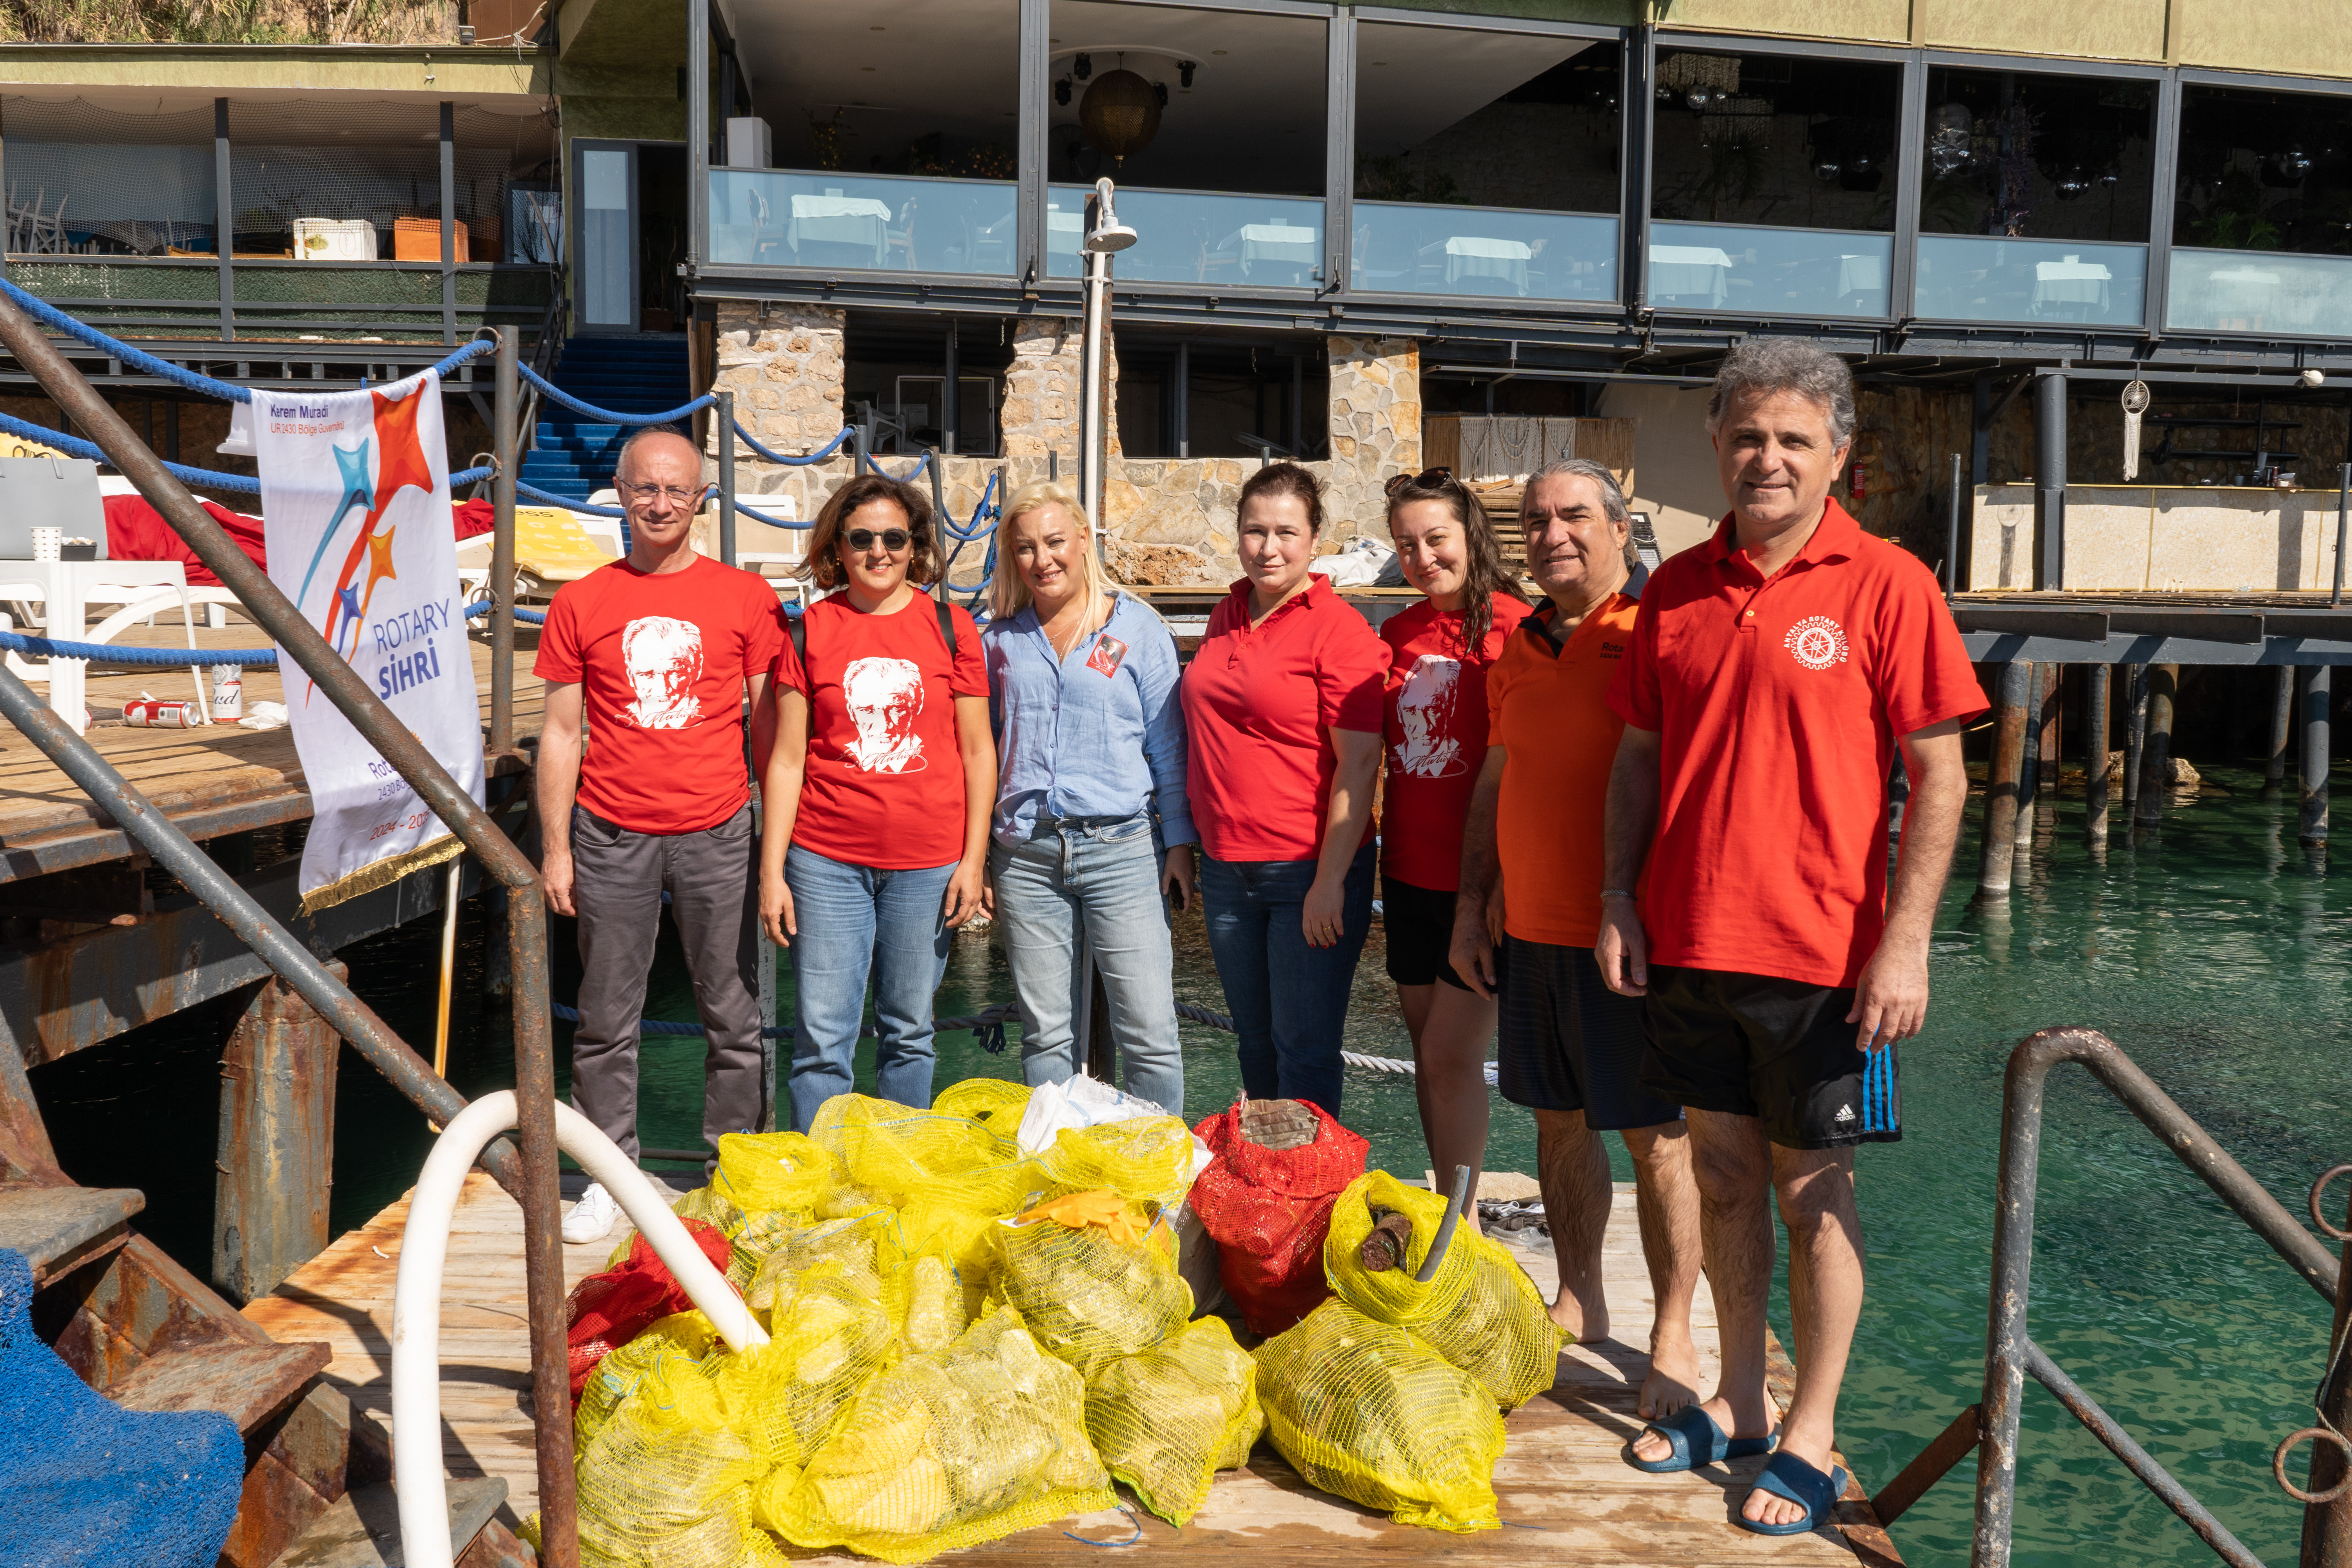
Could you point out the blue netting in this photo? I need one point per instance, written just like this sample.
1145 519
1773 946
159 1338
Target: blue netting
819 456
41 311
555 394
89 1481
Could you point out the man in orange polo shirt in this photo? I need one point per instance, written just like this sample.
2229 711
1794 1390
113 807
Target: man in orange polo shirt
1571 1049
1774 671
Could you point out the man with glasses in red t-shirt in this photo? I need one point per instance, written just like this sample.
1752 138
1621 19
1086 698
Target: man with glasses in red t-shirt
1773 674
652 657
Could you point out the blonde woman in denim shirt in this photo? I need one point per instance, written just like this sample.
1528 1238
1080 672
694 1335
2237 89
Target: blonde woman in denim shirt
1091 831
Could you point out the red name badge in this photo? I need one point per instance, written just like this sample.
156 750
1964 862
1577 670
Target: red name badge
1108 651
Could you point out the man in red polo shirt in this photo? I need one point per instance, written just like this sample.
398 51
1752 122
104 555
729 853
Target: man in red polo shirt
1774 671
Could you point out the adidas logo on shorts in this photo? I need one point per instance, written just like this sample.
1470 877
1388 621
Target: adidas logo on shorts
1844 1115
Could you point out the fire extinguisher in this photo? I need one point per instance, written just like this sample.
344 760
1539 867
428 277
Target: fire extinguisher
1857 479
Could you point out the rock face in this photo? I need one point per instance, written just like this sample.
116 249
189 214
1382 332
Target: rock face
1169 522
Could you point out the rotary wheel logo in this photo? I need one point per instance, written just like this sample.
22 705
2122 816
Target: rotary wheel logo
1817 642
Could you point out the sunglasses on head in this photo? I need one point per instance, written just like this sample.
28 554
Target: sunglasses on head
1426 480
893 539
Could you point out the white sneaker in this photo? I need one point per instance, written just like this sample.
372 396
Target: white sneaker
592 1218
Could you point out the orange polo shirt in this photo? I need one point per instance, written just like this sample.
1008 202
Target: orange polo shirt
1776 704
1550 712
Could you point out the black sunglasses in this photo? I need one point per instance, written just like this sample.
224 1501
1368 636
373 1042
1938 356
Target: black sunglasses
1426 480
893 539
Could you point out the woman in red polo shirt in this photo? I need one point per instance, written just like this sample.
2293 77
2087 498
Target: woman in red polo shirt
1281 709
1439 652
877 795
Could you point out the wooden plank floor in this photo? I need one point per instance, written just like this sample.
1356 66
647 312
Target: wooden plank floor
184 769
1566 1493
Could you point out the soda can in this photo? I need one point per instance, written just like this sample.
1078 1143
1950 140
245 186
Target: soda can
228 693
147 713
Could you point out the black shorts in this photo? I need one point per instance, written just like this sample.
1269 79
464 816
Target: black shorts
1566 1042
1419 925
1779 1050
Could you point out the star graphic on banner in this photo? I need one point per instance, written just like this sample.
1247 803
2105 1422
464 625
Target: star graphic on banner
379 558
348 597
404 462
353 462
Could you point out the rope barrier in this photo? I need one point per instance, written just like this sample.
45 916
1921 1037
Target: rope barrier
549 498
555 394
41 311
184 658
208 478
819 456
484 607
988 1023
771 522
910 476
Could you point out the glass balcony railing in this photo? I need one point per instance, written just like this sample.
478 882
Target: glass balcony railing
1408 249
1988 278
1770 271
887 223
2260 291
1196 237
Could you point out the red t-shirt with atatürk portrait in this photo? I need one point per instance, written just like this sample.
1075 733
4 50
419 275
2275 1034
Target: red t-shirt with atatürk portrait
884 785
661 658
1436 737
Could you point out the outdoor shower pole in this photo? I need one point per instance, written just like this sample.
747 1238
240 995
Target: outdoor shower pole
1093 448
506 447
725 423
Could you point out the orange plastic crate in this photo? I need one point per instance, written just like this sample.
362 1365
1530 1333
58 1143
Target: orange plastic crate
419 239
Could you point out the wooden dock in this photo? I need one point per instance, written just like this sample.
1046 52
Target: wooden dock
1567 1495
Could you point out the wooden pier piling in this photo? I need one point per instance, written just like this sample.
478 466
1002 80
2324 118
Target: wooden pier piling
2003 778
2163 683
2097 680
275 1169
2281 730
2029 768
2135 734
2312 827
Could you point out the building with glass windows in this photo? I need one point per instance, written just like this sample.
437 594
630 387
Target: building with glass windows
1368 235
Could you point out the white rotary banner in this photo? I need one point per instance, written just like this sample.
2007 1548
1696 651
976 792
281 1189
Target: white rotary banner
355 509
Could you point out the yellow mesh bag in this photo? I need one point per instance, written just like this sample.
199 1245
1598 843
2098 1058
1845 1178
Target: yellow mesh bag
1365 1410
666 1474
935 1312
1147 1159
902 1155
1165 1420
847 1245
957 1233
995 1101
944 1451
687 1336
1481 1311
1093 1281
772 1171
830 1338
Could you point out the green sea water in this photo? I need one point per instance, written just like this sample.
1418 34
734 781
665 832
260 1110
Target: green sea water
2214 955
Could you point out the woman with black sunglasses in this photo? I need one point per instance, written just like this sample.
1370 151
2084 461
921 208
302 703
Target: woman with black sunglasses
1435 737
876 794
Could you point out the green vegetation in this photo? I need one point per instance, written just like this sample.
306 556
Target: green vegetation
228 21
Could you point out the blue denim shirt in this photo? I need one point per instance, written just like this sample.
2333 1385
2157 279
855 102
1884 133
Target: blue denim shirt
1073 742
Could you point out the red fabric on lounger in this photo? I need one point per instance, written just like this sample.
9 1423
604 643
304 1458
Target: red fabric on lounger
137 531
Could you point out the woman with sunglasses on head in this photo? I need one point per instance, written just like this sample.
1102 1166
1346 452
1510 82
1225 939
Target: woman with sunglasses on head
1282 707
1091 826
1435 733
876 794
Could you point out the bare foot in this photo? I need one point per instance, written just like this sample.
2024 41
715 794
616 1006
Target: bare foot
1771 1508
1652 1447
1583 1325
1673 1383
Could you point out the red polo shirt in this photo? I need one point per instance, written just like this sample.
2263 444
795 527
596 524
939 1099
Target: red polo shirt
1257 700
1776 704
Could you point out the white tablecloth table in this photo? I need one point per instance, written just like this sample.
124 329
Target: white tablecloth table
859 221
66 589
1686 269
1286 243
2073 281
1478 256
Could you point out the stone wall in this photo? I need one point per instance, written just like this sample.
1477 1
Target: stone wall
1169 522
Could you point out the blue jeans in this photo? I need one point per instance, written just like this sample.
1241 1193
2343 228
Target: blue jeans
1290 1000
857 923
1080 885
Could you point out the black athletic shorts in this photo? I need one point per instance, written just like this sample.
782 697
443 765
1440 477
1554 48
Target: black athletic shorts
1418 923
1779 1050
1566 1042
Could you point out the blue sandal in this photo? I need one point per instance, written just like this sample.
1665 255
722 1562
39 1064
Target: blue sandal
1697 1440
1787 1475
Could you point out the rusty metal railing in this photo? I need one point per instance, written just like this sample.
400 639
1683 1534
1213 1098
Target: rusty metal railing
532 1178
1991 1428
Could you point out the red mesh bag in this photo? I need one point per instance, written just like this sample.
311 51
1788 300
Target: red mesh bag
1267 1210
607 1310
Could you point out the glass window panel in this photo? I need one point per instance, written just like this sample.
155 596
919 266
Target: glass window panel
895 131
875 222
2264 170
2260 291
1774 140
1769 271
2027 156
1472 150
1205 119
1975 277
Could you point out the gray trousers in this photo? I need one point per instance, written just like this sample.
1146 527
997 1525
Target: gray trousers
619 878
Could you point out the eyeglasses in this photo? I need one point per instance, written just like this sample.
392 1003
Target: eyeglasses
893 539
1426 478
647 494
